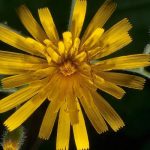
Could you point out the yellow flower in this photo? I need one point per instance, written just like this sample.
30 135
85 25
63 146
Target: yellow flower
10 145
13 140
68 71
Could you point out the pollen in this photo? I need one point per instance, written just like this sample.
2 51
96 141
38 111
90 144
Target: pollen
68 68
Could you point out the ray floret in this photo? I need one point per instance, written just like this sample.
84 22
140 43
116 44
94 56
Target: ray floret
68 72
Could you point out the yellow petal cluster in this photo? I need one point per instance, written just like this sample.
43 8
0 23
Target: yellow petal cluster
67 72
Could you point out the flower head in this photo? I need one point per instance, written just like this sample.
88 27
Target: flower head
13 140
68 71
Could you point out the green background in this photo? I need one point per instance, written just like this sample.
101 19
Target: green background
134 108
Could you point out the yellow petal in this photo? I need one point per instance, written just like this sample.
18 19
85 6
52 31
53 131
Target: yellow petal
48 24
51 44
75 47
42 73
61 48
107 112
107 47
31 24
93 39
20 58
115 38
56 83
17 80
100 121
24 112
121 27
26 78
20 66
78 18
92 113
72 110
94 52
72 103
43 82
80 132
54 55
87 82
85 69
67 38
100 18
122 79
47 123
52 110
16 40
63 130
9 71
17 98
80 57
123 62
13 57
58 97
40 48
109 87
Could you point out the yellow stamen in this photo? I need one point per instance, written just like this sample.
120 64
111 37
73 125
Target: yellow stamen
67 68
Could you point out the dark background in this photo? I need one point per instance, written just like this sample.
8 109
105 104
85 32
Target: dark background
134 108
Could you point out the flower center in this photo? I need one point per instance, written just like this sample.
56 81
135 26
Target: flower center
67 68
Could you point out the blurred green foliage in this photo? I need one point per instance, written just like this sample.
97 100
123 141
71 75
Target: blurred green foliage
134 107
